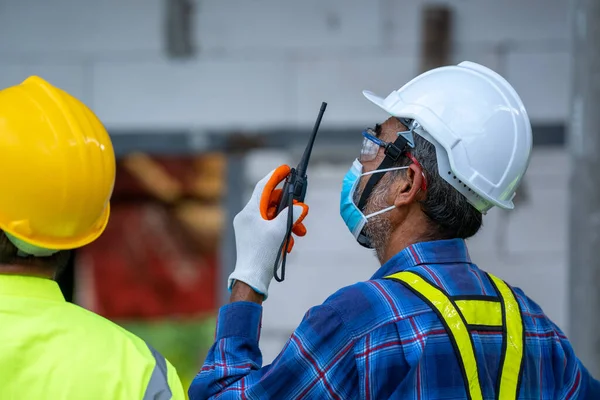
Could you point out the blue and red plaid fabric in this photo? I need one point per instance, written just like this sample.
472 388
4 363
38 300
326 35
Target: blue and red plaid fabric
377 340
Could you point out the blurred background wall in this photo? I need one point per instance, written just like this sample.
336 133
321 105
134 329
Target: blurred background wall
168 76
263 63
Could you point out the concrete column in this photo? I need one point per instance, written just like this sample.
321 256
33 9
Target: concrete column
584 146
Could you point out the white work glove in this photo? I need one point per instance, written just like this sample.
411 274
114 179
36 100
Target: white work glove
259 232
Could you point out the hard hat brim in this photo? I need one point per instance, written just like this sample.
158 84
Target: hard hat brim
373 98
70 243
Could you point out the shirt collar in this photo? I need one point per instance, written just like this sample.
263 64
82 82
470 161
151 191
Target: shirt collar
435 252
30 286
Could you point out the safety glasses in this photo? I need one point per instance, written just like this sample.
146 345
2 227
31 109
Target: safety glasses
371 145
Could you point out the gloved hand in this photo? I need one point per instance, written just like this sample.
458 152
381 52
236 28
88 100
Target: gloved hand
259 232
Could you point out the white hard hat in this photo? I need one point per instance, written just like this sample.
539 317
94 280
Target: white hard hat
478 125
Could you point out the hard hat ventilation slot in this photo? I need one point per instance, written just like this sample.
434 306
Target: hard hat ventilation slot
463 184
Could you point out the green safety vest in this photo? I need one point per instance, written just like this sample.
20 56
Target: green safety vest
52 349
461 314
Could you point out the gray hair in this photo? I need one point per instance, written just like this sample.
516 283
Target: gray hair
449 213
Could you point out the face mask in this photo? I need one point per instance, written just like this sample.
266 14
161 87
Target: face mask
353 216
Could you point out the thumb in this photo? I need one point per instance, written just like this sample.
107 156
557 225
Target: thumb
265 192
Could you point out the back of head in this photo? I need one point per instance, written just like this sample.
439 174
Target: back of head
58 169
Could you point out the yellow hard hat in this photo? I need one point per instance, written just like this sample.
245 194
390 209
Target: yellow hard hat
57 167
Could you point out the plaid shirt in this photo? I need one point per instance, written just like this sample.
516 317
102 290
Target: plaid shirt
377 340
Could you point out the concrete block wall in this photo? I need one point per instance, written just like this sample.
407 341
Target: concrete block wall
270 63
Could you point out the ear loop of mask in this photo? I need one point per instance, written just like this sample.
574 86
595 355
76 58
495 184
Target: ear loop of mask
377 171
423 187
382 171
380 212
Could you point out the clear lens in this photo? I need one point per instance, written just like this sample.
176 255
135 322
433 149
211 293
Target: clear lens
368 151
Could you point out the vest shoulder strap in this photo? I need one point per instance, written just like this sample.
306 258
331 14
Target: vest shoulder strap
461 314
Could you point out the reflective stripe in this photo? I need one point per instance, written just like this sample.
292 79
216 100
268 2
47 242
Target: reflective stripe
455 315
513 342
481 312
455 326
158 386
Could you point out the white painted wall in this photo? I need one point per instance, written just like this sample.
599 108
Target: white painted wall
271 62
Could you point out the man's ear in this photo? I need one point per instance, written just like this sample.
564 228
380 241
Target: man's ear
410 187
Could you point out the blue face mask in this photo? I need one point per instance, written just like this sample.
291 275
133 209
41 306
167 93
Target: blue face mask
353 216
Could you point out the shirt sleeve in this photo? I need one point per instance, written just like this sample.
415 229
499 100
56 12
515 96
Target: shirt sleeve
590 387
317 361
577 381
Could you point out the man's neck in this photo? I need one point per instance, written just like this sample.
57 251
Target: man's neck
32 271
400 239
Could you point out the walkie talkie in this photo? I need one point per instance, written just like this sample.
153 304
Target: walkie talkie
295 189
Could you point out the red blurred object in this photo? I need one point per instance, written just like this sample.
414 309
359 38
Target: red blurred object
146 265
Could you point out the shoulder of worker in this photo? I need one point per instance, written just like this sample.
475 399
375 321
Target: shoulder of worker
101 332
367 306
534 317
87 320
134 353
539 327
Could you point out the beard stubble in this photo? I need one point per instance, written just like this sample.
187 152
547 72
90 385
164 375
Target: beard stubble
378 228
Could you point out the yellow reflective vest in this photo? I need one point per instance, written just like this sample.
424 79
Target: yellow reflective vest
52 349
